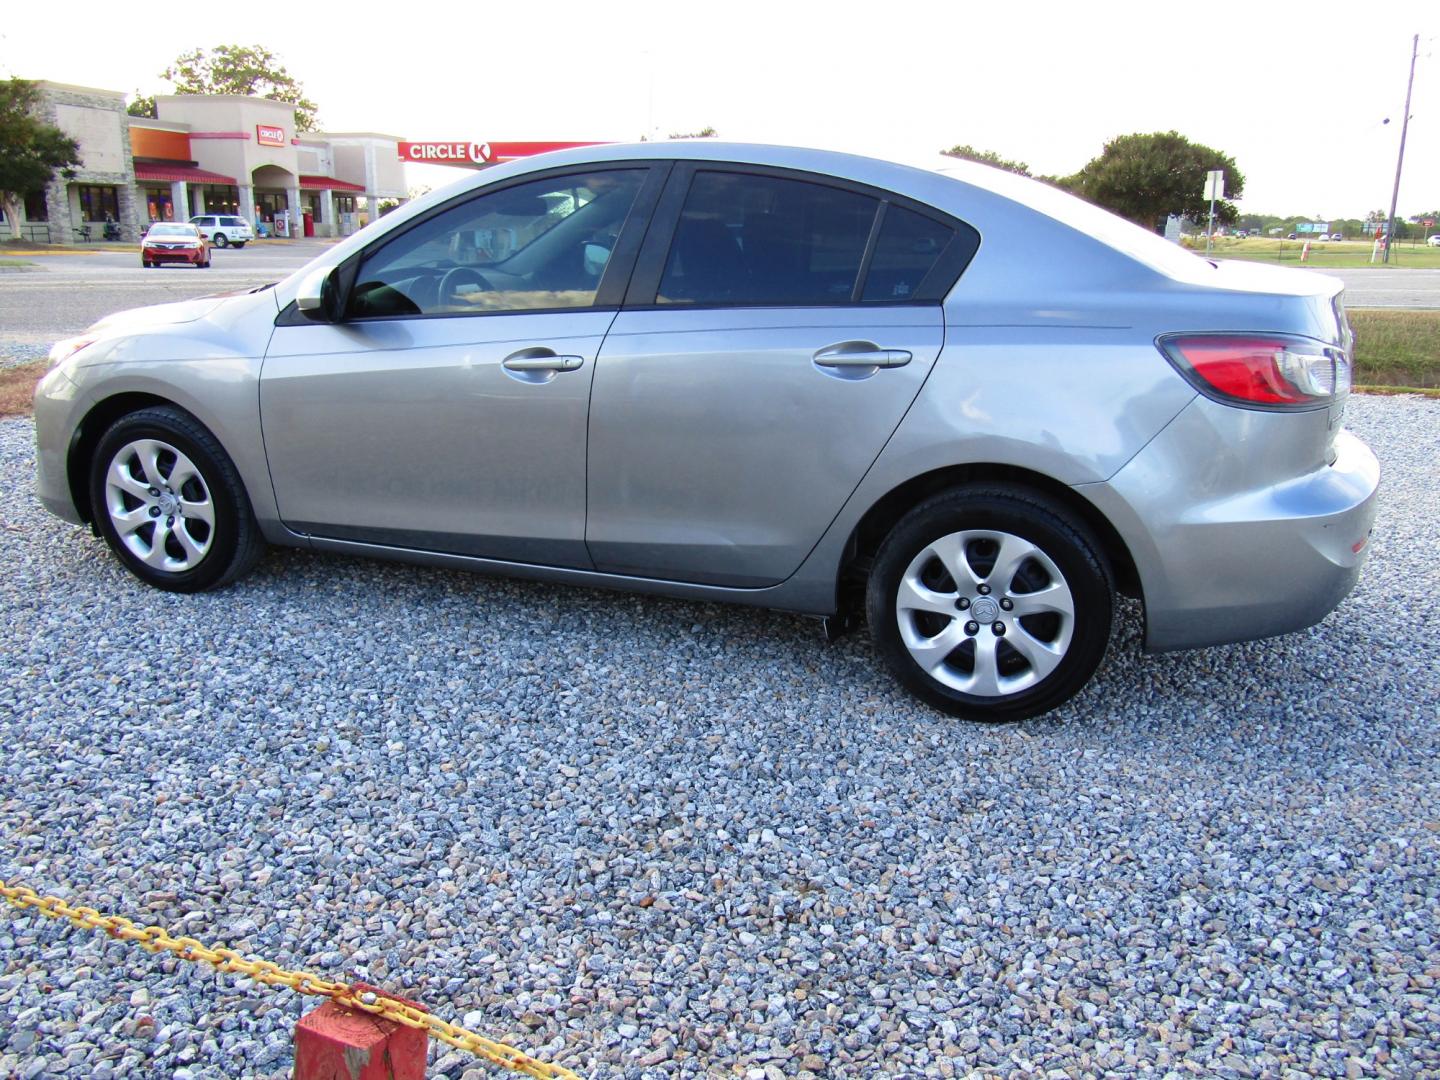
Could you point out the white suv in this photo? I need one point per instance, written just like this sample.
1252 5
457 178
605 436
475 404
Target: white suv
224 230
1434 241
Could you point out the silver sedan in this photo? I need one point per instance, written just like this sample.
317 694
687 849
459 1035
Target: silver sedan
959 404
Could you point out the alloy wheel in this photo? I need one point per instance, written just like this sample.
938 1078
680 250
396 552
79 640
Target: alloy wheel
160 505
985 612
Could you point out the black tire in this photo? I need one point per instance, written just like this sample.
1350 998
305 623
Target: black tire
1029 522
234 541
240 244
220 239
145 264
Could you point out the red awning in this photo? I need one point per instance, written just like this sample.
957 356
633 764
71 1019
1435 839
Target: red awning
320 183
188 173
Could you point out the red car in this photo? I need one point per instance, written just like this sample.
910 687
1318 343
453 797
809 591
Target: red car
174 242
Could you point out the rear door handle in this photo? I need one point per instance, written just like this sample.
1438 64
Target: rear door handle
885 358
541 360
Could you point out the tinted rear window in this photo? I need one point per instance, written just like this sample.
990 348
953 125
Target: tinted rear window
908 247
747 239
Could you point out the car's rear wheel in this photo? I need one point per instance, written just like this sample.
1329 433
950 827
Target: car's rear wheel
991 603
169 502
221 239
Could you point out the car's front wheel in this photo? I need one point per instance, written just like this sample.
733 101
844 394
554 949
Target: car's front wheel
169 502
991 603
240 244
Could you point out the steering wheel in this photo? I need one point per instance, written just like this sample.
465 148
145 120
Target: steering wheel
454 278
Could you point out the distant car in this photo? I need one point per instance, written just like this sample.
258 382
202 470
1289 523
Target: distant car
785 377
1293 236
224 229
171 241
1434 241
1337 236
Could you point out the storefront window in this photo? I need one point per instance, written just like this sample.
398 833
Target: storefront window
35 207
98 202
220 199
271 204
345 204
158 204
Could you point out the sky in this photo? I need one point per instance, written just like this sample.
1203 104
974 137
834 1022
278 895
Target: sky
1298 93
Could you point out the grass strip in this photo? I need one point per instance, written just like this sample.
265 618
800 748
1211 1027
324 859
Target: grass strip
1397 347
17 387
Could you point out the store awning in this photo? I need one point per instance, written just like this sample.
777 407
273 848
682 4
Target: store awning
320 183
146 172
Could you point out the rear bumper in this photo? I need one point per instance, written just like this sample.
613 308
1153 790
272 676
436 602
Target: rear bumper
1244 564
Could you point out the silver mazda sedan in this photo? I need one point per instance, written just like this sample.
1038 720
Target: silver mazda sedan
959 401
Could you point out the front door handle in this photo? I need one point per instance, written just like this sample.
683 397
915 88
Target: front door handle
541 360
885 358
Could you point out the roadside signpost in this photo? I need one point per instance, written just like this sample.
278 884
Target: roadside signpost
1214 189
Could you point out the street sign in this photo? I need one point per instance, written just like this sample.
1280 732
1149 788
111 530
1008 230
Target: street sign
1215 184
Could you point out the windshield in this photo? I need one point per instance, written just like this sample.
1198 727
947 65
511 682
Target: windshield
187 231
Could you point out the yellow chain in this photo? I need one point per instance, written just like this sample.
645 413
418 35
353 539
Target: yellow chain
157 939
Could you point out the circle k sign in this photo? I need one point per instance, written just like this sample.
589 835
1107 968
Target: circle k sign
473 155
446 153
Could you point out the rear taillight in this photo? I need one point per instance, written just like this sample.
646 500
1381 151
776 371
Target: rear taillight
1260 370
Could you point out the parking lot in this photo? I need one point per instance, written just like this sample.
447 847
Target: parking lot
644 837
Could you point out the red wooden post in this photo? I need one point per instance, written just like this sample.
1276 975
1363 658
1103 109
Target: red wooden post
335 1043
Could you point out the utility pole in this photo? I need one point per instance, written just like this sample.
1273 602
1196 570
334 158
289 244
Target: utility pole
1400 161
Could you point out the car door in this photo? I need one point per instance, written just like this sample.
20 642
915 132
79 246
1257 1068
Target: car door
446 411
776 330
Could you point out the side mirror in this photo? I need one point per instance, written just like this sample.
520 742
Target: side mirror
318 297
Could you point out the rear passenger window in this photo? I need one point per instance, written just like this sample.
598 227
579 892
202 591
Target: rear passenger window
758 240
909 246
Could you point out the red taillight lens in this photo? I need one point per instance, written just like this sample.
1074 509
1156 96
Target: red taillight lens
1260 370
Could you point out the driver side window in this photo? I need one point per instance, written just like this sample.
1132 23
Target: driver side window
538 246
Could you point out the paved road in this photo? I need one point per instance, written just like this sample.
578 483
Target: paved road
66 293
1390 288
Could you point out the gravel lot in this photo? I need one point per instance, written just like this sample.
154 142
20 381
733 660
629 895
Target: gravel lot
653 838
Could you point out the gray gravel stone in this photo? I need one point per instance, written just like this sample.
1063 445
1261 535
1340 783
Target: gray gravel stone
648 838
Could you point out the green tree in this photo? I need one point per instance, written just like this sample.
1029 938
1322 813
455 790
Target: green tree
987 157
707 132
30 150
142 105
1145 178
247 70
